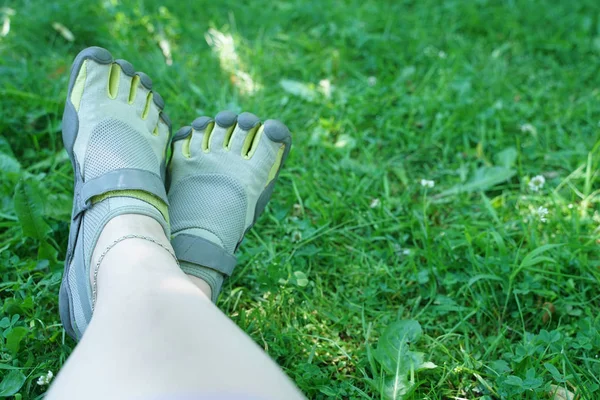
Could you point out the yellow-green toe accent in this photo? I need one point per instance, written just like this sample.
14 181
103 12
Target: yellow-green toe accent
113 80
185 146
277 164
227 139
206 137
133 89
77 91
251 142
147 106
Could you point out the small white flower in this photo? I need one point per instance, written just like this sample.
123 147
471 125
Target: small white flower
570 206
442 54
325 87
400 251
45 379
427 183
5 26
529 129
536 183
375 203
542 212
372 81
296 236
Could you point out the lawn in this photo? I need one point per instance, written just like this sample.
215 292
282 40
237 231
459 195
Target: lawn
435 233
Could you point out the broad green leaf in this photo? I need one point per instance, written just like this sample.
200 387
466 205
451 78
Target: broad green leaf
427 365
29 207
549 337
58 206
301 279
499 367
392 350
14 337
531 381
485 178
514 381
8 164
5 147
12 383
507 157
397 387
394 360
554 372
403 331
47 252
419 362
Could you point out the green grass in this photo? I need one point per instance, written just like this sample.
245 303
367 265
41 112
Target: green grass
479 96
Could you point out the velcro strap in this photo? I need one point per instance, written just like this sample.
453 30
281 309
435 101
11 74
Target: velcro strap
197 250
121 179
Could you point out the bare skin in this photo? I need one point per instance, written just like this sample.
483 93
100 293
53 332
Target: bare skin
155 334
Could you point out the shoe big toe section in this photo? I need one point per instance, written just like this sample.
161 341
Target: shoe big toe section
119 120
102 86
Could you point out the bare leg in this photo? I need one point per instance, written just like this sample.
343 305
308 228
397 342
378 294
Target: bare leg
154 333
202 285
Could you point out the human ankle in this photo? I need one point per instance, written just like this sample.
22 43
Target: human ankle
130 226
135 268
201 284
